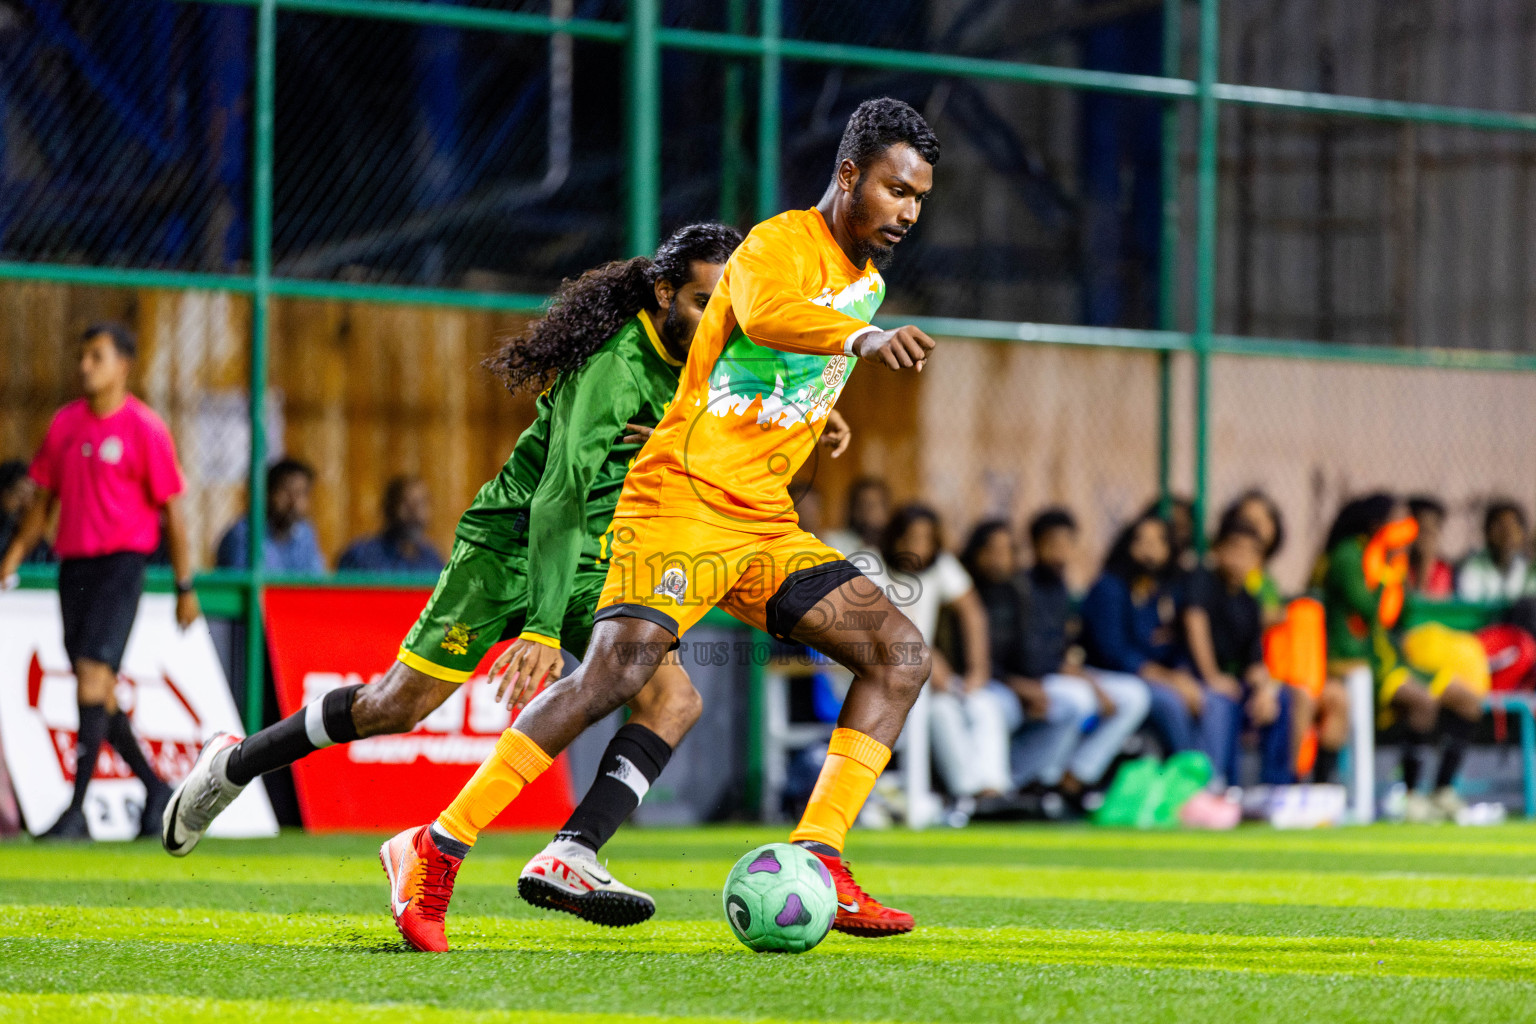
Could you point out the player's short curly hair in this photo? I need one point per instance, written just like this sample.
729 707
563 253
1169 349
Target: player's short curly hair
589 309
879 124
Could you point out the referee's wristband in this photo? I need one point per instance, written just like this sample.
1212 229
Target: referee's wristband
183 587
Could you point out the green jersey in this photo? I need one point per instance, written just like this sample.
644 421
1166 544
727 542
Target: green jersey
554 498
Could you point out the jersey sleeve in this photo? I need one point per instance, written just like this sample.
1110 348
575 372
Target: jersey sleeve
769 286
162 472
589 414
45 464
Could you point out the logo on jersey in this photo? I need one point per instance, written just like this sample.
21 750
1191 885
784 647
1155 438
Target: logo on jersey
111 450
673 584
837 367
457 639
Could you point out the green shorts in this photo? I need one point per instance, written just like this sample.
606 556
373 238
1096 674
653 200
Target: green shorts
482 598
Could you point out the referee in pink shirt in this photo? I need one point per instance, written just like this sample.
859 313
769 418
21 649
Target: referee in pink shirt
108 465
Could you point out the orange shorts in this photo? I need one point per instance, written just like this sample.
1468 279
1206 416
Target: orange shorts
670 570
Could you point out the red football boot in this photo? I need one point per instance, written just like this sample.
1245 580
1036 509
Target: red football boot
420 886
859 913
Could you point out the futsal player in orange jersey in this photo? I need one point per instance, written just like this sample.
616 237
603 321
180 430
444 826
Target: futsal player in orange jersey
705 519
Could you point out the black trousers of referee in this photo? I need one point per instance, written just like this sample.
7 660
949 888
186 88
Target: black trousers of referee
99 599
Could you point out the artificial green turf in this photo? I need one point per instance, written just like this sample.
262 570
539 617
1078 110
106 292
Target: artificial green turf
1040 924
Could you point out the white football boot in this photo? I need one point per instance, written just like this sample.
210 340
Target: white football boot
566 876
202 795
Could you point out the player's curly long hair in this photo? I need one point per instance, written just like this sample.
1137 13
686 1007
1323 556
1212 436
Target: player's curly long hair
587 310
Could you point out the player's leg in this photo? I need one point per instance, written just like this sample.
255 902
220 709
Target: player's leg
890 663
460 623
422 863
566 874
1411 704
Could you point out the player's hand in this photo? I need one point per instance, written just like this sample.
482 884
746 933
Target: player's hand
836 434
638 433
522 669
187 610
905 348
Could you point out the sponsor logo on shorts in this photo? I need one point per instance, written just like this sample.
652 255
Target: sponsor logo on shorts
673 584
458 639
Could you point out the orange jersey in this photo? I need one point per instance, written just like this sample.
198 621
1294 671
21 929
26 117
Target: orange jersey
769 359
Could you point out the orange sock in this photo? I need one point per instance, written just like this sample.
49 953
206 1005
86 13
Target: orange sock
854 762
495 784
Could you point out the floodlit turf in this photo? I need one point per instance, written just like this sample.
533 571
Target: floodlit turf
1389 923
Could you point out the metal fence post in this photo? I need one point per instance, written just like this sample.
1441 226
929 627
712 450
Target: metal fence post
261 267
731 156
769 116
1205 254
1168 251
644 136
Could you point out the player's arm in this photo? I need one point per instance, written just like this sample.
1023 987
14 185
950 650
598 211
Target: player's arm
768 295
590 412
179 545
34 523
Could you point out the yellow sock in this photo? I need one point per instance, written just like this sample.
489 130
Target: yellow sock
854 762
495 784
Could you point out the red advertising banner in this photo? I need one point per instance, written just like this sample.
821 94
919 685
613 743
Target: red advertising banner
324 638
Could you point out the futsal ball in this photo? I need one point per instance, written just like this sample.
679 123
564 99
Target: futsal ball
780 899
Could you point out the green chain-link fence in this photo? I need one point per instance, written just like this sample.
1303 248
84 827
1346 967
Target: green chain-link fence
322 250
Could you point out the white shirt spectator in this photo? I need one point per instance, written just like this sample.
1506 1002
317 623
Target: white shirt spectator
921 595
1479 579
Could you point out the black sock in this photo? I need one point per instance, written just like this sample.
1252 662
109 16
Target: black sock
120 735
1413 758
93 729
634 758
815 847
1455 736
328 719
1325 766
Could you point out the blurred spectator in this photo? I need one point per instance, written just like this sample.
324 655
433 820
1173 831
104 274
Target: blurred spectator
16 491
1428 573
1501 570
1121 701
1180 517
1048 708
1433 685
290 544
1260 511
403 546
869 511
1030 624
1129 626
1224 630
968 720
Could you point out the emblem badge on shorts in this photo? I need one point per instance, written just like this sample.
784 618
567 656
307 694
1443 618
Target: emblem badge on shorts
673 584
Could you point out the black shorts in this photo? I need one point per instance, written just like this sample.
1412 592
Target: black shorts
100 598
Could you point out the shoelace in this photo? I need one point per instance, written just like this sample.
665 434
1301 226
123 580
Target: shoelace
436 888
846 870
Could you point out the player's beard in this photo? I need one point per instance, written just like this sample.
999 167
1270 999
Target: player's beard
674 332
861 219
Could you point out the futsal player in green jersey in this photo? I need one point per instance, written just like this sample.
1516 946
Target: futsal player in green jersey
529 560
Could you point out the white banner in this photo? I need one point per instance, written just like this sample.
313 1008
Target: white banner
172 687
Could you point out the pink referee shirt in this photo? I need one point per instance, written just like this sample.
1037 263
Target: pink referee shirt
112 476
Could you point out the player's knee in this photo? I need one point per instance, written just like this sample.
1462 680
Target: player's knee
907 663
